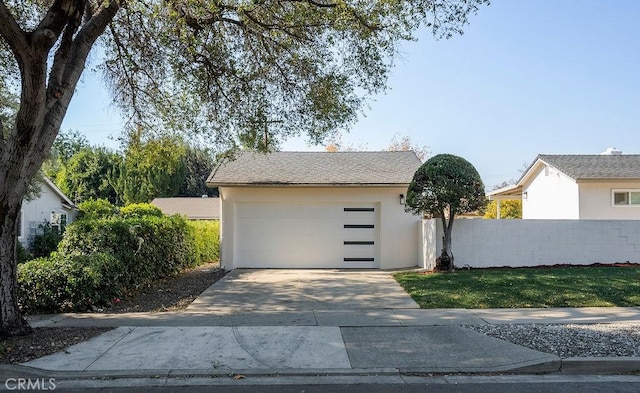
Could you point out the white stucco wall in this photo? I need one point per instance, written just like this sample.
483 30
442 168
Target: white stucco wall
398 233
37 211
429 244
516 243
551 195
596 201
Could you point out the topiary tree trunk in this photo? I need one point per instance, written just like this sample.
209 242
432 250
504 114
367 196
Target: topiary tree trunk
445 261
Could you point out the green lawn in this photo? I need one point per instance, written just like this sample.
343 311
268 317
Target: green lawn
527 287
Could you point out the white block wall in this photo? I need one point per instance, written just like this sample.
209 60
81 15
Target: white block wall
495 243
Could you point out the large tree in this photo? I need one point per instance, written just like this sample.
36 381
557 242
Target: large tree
216 65
198 164
151 168
90 173
442 187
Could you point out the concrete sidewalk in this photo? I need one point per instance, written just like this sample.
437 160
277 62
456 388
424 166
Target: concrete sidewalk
285 342
313 323
346 317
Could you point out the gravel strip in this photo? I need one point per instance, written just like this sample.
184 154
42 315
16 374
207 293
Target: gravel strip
564 341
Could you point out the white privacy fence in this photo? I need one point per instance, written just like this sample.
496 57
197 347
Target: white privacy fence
516 243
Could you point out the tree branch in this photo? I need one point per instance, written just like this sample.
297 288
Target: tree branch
55 89
55 21
13 35
315 3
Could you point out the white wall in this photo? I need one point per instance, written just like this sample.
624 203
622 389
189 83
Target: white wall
550 195
429 243
596 201
37 211
398 244
495 243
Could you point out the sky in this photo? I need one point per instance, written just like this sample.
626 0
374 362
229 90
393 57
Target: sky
526 78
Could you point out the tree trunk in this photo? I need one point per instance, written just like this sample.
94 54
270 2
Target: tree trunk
12 322
446 257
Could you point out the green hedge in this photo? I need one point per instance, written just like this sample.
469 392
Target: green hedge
138 210
207 240
63 284
150 247
102 259
94 209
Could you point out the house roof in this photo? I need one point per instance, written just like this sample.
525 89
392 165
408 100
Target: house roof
317 168
578 167
194 208
66 202
595 166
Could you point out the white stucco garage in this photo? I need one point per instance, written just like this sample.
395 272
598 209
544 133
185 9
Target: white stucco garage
316 210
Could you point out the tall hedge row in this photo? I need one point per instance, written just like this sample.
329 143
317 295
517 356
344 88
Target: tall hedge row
207 239
99 260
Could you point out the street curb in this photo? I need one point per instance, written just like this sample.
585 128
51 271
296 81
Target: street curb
603 365
19 371
576 366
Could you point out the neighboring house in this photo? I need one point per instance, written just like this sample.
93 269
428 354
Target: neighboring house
51 206
317 210
605 186
204 208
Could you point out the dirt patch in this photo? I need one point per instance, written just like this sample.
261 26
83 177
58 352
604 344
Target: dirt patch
44 341
168 294
173 293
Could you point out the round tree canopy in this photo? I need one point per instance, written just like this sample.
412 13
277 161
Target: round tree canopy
445 182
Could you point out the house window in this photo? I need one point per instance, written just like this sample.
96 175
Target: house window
58 221
626 197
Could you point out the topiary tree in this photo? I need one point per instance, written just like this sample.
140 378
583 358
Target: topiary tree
444 186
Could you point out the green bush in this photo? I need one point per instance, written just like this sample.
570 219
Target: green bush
99 260
46 241
94 209
139 210
207 240
68 283
150 247
23 254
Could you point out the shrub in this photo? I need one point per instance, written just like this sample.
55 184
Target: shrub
150 247
68 283
94 209
207 240
23 254
139 210
99 260
46 241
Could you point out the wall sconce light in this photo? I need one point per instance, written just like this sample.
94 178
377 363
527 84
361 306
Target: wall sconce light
402 199
525 195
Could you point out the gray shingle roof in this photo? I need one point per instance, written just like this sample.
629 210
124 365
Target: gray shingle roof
596 166
194 208
321 168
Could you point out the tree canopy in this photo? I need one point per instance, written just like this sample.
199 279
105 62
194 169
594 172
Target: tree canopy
90 173
442 187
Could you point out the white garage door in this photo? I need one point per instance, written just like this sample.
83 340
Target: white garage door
306 236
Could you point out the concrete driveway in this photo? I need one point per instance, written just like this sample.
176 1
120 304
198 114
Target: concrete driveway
289 290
